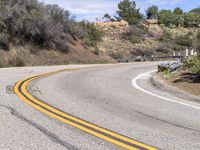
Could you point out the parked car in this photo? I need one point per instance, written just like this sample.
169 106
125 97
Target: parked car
140 58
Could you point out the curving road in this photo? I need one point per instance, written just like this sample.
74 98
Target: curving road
102 95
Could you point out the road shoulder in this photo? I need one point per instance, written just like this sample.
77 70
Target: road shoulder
164 85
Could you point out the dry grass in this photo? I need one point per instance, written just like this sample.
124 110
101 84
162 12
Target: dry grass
24 56
186 81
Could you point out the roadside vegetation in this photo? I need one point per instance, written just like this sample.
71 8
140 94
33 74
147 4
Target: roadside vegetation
193 64
174 18
49 27
46 26
169 21
88 33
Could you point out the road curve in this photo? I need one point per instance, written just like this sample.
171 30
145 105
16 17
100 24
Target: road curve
105 97
21 90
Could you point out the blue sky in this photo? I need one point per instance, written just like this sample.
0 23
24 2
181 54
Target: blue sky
91 9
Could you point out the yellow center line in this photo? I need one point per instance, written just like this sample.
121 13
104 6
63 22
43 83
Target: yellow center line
49 113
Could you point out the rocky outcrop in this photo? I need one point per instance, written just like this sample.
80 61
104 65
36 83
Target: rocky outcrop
121 23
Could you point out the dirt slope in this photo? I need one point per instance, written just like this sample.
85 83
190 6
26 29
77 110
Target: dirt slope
113 42
19 55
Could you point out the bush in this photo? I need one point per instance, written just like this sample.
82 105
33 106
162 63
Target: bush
162 26
177 47
89 33
163 48
185 40
167 36
16 61
135 34
4 36
116 55
4 40
19 62
193 65
47 26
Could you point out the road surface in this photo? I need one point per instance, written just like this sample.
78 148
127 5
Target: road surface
102 95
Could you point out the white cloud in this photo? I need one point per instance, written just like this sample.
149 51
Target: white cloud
86 7
91 9
165 2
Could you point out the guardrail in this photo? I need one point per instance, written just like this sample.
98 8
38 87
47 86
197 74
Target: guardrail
162 58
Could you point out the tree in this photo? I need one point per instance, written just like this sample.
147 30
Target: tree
196 10
107 17
179 18
166 17
191 19
178 11
152 12
128 11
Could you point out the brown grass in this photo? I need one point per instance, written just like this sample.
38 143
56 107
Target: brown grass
29 56
187 82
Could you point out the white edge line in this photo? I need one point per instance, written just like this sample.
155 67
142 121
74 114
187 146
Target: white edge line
135 85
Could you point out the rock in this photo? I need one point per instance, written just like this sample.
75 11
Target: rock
113 24
123 23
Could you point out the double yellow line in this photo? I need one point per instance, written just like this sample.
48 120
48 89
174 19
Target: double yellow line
127 143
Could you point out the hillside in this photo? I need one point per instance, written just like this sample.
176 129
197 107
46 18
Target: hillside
117 45
121 41
32 33
24 55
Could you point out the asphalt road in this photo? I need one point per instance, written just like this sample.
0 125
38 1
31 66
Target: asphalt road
102 95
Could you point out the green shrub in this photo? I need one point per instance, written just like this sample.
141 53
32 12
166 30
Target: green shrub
167 36
172 26
4 40
135 34
163 48
167 74
196 67
162 26
116 55
47 26
185 40
193 65
89 33
177 47
135 39
4 36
